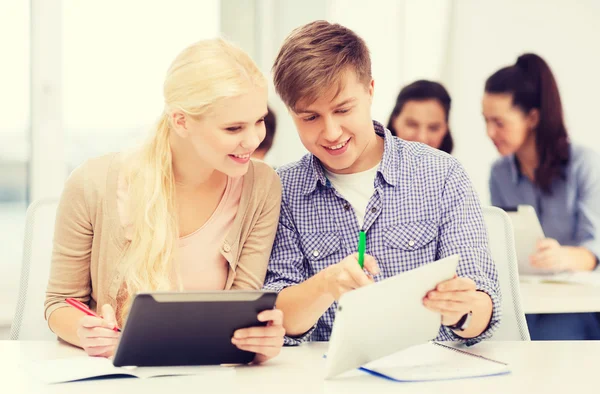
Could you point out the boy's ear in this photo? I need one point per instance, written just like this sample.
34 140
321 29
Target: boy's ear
371 90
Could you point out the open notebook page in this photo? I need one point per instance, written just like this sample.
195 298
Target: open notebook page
431 361
84 367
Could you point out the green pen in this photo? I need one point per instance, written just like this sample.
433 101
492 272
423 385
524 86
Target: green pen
362 245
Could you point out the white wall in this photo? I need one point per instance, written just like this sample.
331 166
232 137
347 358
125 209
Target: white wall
407 40
458 42
487 35
103 64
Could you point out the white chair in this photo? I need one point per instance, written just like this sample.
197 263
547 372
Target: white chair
513 326
28 322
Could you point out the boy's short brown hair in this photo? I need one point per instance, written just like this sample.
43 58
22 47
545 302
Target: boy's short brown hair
313 59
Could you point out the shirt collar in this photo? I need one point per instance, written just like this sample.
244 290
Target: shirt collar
515 170
389 167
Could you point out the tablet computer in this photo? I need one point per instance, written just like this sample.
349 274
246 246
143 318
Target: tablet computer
189 328
388 316
528 231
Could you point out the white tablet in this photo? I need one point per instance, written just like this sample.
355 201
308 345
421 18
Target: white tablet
528 231
385 317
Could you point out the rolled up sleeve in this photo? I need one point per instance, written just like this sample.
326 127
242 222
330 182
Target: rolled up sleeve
463 232
287 264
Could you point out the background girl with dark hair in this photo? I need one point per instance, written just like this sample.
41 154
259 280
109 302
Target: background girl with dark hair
421 114
267 143
541 168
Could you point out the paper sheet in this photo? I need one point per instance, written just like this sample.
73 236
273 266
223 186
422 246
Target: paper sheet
576 278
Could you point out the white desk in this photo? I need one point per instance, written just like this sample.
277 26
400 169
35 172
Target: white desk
559 298
537 367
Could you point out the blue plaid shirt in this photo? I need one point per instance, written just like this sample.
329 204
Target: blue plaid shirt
424 208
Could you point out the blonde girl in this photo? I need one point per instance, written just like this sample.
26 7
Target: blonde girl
189 210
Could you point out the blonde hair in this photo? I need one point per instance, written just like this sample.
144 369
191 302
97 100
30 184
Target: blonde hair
200 76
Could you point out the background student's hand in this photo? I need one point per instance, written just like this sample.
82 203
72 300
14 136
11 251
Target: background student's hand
550 255
347 275
96 335
265 341
455 297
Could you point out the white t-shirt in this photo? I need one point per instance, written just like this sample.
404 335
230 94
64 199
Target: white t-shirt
356 188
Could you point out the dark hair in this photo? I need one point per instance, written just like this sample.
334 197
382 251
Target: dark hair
270 126
532 86
420 91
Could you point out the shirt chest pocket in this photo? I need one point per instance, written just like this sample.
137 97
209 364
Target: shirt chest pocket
321 250
410 244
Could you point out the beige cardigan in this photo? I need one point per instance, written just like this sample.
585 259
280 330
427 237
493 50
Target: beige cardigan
89 240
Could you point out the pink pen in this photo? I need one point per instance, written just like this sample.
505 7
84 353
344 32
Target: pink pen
85 309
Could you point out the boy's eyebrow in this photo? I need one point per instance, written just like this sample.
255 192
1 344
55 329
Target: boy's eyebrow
345 102
299 111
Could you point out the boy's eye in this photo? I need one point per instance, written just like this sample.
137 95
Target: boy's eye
310 118
234 128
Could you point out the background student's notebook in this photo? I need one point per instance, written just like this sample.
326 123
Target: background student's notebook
434 361
575 278
84 367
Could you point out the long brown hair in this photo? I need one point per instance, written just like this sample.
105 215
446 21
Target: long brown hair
531 84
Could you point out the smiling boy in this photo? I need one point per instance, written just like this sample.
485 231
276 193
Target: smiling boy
416 204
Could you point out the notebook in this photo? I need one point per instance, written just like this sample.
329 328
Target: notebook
72 369
575 278
434 361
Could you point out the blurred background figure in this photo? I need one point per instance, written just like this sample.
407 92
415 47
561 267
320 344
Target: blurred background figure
267 143
542 168
421 114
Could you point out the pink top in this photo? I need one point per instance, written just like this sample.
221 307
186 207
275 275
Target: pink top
202 265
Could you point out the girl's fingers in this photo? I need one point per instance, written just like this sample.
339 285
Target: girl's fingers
265 342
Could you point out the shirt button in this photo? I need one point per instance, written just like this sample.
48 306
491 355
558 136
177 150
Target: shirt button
347 207
411 243
316 253
226 248
374 209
